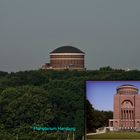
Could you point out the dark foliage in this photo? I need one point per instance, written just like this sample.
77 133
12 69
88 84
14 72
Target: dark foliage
51 98
95 118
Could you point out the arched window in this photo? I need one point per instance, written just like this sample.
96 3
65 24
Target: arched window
127 104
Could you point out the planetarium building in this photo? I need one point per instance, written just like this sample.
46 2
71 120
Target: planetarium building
66 57
126 115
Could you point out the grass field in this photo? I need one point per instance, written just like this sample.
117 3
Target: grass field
115 135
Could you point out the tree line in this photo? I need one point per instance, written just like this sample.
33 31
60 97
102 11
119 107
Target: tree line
51 98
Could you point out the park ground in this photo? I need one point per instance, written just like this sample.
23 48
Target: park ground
115 135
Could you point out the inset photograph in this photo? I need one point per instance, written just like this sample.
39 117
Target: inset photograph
112 110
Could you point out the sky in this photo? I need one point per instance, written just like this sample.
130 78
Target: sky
107 31
101 93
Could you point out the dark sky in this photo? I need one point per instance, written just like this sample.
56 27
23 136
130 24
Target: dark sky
108 31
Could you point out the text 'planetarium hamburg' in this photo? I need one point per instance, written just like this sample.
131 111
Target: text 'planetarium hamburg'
126 115
66 58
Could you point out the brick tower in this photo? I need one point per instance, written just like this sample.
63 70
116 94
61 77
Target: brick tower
126 115
66 57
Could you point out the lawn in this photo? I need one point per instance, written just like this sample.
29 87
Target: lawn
115 135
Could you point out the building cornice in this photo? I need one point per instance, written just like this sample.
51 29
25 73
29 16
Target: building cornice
67 54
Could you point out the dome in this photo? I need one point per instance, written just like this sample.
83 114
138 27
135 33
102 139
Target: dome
67 49
127 89
127 86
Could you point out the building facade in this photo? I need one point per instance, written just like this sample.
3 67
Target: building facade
66 57
126 115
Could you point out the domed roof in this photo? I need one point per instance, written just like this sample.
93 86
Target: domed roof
67 49
127 85
127 89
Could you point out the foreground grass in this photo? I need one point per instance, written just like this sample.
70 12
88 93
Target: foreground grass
116 135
